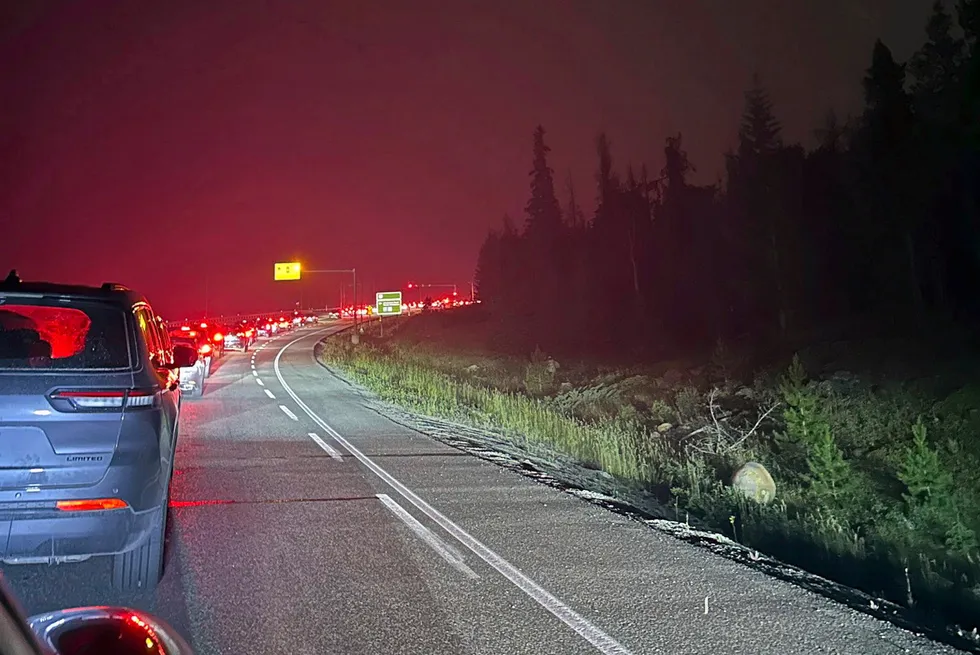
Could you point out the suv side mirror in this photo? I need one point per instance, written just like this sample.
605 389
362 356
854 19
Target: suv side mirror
184 356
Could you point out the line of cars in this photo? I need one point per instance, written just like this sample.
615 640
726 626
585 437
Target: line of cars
91 382
210 341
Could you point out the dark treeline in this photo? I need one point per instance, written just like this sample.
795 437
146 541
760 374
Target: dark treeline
880 218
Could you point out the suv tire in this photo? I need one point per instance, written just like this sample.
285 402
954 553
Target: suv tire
141 568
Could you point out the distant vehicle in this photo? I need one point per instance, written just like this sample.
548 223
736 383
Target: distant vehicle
192 377
89 423
215 335
200 341
239 337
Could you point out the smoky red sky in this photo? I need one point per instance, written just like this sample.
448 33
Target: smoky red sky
183 147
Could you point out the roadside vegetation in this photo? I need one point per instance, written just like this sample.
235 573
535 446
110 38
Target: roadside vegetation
877 482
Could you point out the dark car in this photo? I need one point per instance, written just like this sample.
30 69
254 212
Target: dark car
89 404
244 333
214 335
197 338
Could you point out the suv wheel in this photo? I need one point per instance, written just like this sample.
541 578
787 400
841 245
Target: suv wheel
141 568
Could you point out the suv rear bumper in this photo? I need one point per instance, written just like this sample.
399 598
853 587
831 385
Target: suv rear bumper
51 535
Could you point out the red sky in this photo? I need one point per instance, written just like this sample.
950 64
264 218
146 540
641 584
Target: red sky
190 145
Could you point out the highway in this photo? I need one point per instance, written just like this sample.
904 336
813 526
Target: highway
304 522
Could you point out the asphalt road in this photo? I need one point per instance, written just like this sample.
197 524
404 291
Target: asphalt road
304 522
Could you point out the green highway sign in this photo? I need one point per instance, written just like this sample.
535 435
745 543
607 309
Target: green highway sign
389 303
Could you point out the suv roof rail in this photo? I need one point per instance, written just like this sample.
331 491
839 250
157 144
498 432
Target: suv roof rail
114 286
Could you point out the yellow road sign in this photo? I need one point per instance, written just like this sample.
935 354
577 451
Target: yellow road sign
287 270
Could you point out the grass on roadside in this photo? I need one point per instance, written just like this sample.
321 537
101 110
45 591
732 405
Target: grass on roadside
878 487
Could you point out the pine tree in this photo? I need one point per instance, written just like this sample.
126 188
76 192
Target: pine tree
760 131
934 67
574 218
543 212
894 186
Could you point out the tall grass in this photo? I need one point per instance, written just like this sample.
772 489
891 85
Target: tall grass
870 493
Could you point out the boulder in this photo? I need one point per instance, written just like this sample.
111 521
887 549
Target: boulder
754 481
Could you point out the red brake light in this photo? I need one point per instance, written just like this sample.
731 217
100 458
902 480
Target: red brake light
185 328
89 505
205 349
204 325
217 336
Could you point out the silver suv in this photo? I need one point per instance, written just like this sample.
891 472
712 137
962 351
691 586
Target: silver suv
89 409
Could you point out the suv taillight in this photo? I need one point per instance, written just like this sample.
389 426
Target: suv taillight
88 400
205 349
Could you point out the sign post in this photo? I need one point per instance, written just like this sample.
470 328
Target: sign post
389 303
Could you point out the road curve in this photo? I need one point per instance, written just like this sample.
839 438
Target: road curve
304 522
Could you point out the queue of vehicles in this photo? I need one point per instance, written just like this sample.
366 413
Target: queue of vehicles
91 383
212 339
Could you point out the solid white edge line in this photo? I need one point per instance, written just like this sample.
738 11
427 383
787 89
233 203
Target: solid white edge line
591 633
330 450
270 394
260 382
444 550
288 412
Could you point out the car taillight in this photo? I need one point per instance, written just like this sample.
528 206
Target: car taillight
205 349
141 398
90 505
217 336
101 399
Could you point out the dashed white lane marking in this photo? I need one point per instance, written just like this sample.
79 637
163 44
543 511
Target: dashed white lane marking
255 373
599 639
261 383
446 551
288 412
330 450
270 394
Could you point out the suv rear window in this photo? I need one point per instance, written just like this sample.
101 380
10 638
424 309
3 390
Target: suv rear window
59 336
